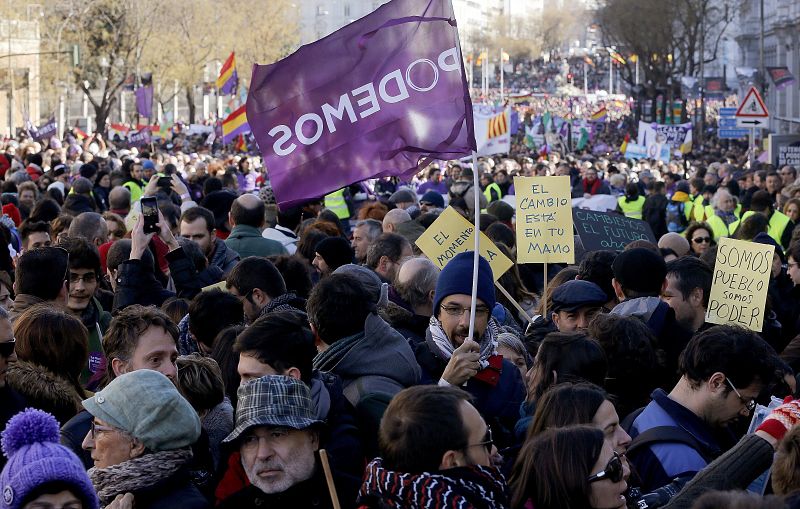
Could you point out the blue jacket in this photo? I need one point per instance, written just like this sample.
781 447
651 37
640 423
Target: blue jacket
659 463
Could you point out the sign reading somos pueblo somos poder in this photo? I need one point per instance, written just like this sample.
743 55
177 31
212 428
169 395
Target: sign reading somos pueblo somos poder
739 288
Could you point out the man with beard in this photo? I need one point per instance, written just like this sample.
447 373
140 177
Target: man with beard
277 436
449 357
197 225
84 275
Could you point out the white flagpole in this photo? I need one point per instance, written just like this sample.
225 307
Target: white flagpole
501 76
476 188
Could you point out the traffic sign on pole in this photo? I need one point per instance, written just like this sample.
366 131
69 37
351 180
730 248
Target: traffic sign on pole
752 113
752 106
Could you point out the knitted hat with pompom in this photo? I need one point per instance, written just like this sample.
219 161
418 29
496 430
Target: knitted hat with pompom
35 459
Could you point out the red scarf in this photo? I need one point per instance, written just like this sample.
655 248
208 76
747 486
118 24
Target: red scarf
594 187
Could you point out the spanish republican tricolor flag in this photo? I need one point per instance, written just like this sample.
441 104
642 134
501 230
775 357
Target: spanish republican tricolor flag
498 125
599 115
228 79
235 124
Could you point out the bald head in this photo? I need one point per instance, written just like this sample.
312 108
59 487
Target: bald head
393 218
248 210
119 198
91 226
416 283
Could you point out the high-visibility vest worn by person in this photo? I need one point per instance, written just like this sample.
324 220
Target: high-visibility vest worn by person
632 209
136 189
492 192
718 226
695 211
336 202
777 224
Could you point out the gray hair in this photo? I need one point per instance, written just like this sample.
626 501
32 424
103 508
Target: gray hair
417 288
512 341
721 192
374 228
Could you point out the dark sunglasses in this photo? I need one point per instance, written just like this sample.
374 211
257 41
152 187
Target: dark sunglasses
488 442
7 348
701 240
613 471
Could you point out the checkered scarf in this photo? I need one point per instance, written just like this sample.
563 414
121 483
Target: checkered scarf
474 487
445 347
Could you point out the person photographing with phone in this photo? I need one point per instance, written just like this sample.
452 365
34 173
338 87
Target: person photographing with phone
450 358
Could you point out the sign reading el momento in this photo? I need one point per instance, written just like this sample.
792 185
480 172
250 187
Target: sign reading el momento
544 220
739 287
609 231
451 234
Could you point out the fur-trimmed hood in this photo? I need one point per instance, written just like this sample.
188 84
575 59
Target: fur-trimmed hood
45 390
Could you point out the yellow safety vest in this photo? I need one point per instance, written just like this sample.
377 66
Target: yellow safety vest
697 209
337 204
777 224
488 192
632 209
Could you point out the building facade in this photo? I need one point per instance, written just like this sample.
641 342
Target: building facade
19 74
781 48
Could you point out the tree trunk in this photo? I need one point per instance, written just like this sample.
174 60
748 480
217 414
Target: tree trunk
190 100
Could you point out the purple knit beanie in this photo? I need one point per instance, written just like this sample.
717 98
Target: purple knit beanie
35 458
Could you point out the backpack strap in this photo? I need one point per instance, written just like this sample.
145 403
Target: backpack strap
670 434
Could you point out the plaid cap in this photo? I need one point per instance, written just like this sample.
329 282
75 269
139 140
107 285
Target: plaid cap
273 400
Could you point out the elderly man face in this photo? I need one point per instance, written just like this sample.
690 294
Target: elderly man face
277 458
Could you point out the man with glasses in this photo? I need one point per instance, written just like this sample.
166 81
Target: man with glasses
449 357
723 370
435 451
278 436
41 277
84 276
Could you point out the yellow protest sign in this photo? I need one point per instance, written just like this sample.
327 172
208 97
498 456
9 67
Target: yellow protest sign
741 279
544 220
222 285
451 234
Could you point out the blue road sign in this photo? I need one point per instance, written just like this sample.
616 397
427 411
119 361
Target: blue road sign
727 112
727 122
732 134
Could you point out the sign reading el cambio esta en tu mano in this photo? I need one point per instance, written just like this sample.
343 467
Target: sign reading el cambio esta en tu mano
739 288
609 231
544 220
451 234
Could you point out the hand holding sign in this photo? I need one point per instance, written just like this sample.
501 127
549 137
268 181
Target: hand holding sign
464 364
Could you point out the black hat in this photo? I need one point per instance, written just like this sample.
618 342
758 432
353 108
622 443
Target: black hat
336 252
640 270
576 294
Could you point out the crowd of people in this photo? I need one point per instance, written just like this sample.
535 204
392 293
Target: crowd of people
229 352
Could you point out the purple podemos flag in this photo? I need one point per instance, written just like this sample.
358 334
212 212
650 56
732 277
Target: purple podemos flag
372 99
144 101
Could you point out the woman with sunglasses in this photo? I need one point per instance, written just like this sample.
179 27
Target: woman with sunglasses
569 468
700 238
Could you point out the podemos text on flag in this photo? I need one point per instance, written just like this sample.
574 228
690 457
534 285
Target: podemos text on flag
373 99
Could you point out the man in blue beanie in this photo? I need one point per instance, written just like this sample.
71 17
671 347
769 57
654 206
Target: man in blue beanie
449 357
